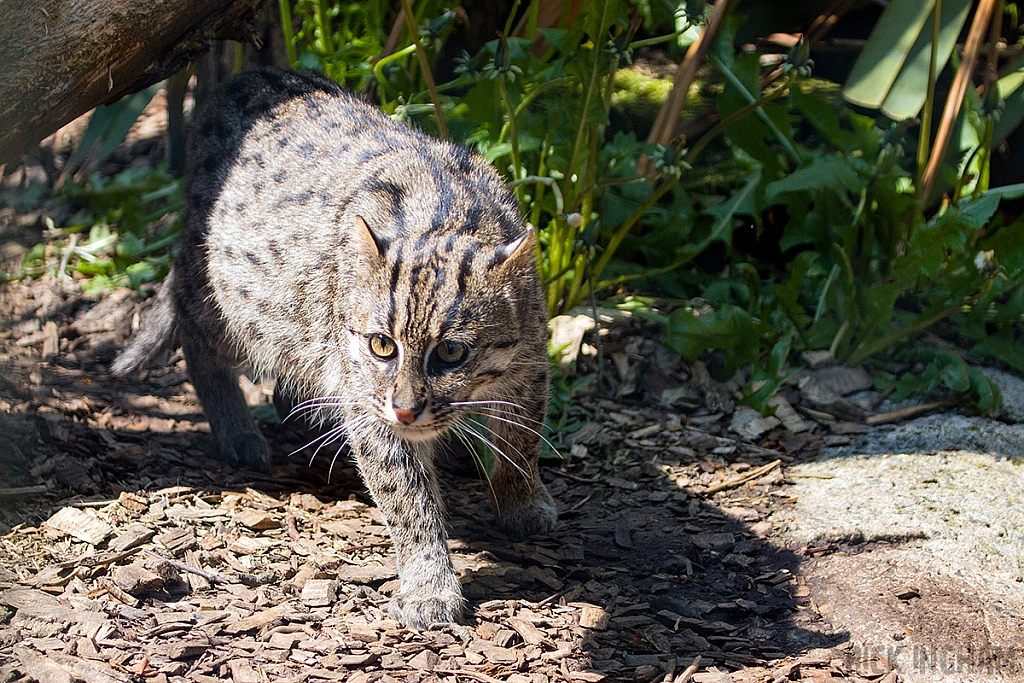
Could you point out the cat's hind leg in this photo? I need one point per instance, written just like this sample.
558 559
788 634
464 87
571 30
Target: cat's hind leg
523 505
238 439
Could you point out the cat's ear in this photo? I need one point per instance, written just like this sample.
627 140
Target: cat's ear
365 244
518 253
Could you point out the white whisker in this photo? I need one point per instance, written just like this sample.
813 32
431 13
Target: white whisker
497 451
318 403
497 405
462 432
492 416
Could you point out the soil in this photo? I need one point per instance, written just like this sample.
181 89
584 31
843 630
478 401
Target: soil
127 553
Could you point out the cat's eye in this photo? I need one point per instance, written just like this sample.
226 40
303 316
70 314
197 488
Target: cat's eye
451 353
383 347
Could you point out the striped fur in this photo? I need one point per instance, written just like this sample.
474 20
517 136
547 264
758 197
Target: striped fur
315 228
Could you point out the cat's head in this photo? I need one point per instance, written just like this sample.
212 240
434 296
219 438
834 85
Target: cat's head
438 325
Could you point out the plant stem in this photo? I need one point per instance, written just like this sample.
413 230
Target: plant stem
513 133
717 231
865 352
529 97
378 69
657 40
414 33
732 118
531 20
787 145
627 225
324 24
955 99
549 182
593 85
991 76
924 142
289 34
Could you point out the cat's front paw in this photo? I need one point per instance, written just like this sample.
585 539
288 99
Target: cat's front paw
420 609
528 516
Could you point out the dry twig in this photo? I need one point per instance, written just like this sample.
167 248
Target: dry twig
181 566
907 413
755 473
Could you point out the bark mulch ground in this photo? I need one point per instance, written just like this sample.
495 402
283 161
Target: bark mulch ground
128 554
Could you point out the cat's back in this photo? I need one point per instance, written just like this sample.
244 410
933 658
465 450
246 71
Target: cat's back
281 150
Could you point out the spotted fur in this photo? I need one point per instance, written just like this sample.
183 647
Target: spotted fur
318 232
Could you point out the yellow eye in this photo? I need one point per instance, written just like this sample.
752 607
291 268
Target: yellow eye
451 353
383 347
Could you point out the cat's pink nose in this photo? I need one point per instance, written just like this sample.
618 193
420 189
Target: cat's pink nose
406 416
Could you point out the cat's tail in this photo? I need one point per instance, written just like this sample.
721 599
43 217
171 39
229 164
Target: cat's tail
157 335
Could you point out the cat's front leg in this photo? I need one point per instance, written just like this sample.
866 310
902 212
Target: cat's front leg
400 477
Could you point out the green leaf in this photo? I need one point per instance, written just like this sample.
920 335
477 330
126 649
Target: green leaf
823 172
818 113
109 125
886 51
977 213
1011 92
985 392
778 357
730 328
907 95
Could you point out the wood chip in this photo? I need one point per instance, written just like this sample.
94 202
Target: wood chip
530 633
753 474
136 580
28 598
40 668
908 413
843 380
319 592
89 671
178 540
622 535
257 520
136 536
750 424
908 593
51 340
494 653
594 617
23 491
424 661
80 524
242 671
821 396
184 650
260 619
365 574
789 418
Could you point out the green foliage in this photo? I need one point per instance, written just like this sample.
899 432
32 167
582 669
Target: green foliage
940 371
790 223
123 231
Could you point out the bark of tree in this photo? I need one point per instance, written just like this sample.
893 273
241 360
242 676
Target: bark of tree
61 58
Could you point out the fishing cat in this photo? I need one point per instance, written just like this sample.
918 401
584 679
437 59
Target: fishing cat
385 276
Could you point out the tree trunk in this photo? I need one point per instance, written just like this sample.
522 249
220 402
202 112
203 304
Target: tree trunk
61 58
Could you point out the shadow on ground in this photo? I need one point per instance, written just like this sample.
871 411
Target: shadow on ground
652 575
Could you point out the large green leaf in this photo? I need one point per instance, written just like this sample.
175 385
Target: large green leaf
907 95
1011 91
826 171
729 328
109 125
886 51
